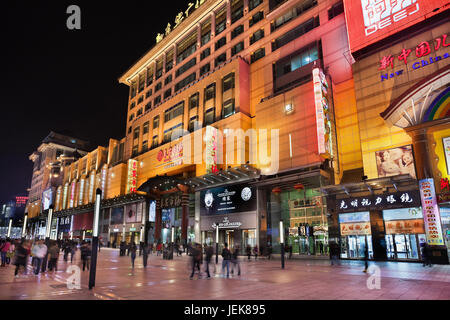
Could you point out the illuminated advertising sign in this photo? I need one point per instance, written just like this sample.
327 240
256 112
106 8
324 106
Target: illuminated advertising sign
170 157
226 200
103 180
132 176
58 199
80 195
152 211
91 187
323 122
431 212
66 190
72 194
47 199
211 150
369 21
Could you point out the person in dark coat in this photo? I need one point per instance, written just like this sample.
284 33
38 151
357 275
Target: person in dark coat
21 258
145 249
366 258
235 261
86 253
132 250
196 254
226 254
209 251
249 252
426 254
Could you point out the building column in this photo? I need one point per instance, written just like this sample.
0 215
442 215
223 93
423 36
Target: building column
245 6
228 13
421 152
378 236
185 217
199 35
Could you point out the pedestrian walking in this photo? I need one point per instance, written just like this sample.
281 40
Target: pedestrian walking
235 261
4 248
132 250
226 255
196 254
39 253
86 253
426 254
209 251
145 250
321 247
334 252
269 251
10 253
255 252
159 249
53 252
20 258
67 249
366 258
249 252
73 250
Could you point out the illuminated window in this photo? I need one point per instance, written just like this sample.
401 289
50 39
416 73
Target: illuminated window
145 128
228 108
228 82
156 122
194 101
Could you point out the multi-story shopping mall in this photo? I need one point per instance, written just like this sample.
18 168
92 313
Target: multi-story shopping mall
323 114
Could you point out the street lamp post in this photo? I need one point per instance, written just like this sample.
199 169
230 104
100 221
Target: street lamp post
217 243
282 243
24 229
47 236
173 237
93 270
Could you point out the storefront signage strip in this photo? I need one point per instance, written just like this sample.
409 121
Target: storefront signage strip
385 201
431 212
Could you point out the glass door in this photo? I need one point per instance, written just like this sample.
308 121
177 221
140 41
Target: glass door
413 248
390 247
352 247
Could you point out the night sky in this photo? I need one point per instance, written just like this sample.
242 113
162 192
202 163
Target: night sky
66 80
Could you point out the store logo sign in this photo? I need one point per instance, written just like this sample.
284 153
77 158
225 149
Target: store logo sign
379 14
431 212
227 224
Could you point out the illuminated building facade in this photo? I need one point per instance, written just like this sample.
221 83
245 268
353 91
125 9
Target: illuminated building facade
399 198
280 66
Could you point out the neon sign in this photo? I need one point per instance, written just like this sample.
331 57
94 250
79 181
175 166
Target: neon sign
132 176
323 122
431 212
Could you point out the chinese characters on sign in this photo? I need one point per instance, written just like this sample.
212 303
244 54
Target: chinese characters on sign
446 144
355 229
431 212
171 202
132 176
323 122
178 19
211 149
171 156
423 49
386 201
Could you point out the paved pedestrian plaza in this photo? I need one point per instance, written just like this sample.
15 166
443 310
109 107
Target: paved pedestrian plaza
260 280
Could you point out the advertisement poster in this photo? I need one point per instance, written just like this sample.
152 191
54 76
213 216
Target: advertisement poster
152 211
431 212
446 143
47 199
405 227
355 229
117 215
395 162
225 200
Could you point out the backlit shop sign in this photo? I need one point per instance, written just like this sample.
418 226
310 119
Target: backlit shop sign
431 212
132 176
369 21
379 202
422 51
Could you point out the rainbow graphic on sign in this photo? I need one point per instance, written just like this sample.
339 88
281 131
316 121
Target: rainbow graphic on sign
440 107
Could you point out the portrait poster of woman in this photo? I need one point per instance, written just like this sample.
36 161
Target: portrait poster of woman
396 161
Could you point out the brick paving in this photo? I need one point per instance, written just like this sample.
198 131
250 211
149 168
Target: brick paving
260 280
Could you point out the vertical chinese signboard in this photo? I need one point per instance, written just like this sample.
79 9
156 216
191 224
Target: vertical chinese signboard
132 176
103 180
323 120
431 212
211 149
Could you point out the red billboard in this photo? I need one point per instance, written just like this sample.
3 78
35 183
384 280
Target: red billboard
369 21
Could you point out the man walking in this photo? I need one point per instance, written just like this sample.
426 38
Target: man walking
196 258
85 254
145 249
209 251
54 255
21 257
226 255
132 249
235 261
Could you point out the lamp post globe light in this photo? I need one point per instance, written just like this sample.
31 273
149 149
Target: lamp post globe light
92 271
282 243
217 243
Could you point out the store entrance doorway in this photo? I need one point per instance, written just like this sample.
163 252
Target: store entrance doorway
403 246
229 237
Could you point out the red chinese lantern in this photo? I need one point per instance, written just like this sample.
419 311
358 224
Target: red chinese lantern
299 186
276 190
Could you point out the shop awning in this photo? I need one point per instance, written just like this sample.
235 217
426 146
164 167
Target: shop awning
399 183
244 173
161 183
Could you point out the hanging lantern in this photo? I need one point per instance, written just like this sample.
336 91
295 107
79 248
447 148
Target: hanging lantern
276 190
299 186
